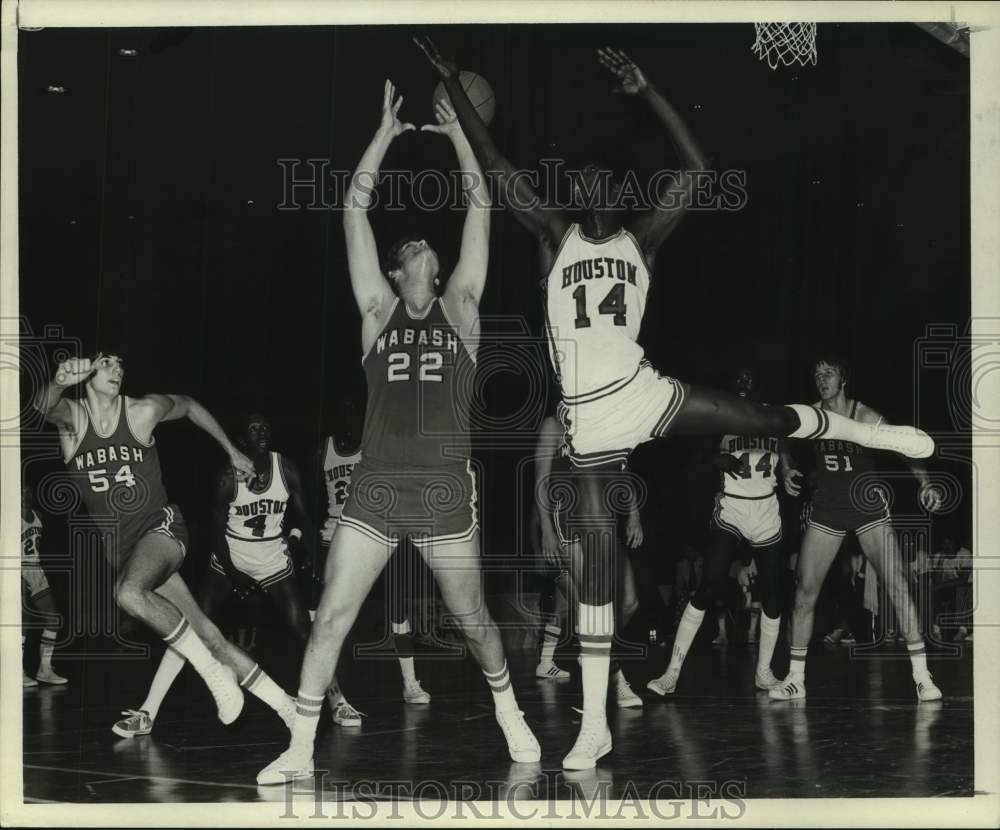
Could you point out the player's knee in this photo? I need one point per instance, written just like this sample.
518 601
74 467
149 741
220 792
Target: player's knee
806 592
131 598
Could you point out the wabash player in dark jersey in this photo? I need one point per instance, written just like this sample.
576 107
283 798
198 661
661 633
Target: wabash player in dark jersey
414 478
844 502
110 453
598 272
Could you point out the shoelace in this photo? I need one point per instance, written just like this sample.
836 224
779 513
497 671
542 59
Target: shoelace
512 720
587 741
133 717
344 709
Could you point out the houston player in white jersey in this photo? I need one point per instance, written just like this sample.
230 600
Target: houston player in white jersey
340 453
746 509
39 594
598 272
251 553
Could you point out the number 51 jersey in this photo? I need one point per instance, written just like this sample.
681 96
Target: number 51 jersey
420 385
595 299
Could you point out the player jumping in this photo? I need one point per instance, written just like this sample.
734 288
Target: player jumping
598 274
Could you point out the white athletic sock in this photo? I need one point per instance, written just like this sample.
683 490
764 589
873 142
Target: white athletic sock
189 645
503 694
307 709
45 649
768 637
170 666
918 658
797 665
597 627
686 630
549 642
259 684
820 423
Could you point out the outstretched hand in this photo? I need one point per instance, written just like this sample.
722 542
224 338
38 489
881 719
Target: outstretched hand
446 67
390 112
447 121
621 65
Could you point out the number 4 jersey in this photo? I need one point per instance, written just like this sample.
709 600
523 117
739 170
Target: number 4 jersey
595 296
118 477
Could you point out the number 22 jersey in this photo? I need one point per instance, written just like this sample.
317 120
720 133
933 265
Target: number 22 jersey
595 296
420 385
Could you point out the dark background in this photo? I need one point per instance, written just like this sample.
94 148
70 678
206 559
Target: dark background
149 219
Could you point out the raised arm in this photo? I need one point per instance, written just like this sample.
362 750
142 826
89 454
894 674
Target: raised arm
371 289
652 227
149 411
549 224
67 415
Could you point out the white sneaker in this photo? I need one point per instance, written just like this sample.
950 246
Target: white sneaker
926 690
346 715
414 693
765 679
791 688
521 741
627 699
136 722
550 671
593 743
45 674
287 712
28 681
295 762
666 683
221 682
908 441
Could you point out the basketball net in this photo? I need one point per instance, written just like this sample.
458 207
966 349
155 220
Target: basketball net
785 43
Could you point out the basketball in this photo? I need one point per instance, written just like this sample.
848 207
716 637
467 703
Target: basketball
479 91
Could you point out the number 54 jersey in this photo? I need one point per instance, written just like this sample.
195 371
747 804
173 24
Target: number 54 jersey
595 296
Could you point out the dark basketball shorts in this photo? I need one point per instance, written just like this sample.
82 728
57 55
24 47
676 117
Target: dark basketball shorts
430 506
839 520
168 521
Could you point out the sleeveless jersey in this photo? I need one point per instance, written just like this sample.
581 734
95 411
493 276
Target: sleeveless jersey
337 470
31 534
756 477
595 296
118 477
257 517
420 377
838 464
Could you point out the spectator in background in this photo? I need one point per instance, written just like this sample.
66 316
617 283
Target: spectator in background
952 569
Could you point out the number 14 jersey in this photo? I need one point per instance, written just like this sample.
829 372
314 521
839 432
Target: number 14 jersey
595 299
